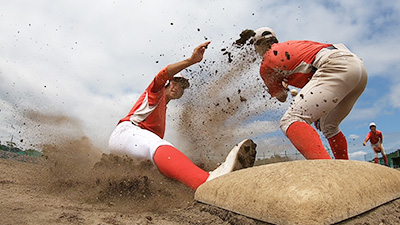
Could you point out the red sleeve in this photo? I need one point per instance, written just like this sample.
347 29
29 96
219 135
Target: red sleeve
368 136
160 80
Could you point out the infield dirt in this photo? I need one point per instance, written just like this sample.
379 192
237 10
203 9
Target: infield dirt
88 188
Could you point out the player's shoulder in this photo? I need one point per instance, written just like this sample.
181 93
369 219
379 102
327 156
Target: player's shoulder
291 42
287 43
296 44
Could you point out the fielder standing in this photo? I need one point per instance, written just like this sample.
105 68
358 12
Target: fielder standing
140 134
331 79
376 138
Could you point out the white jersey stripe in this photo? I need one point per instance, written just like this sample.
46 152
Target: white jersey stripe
143 111
303 67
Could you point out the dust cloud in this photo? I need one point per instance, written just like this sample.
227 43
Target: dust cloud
227 102
75 169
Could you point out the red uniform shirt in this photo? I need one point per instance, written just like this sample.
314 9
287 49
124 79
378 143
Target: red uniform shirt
374 138
291 62
149 112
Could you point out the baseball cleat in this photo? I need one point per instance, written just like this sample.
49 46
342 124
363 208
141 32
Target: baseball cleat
242 156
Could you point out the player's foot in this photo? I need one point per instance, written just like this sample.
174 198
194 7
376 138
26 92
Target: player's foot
243 155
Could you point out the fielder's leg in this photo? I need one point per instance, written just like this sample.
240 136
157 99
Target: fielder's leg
338 145
307 141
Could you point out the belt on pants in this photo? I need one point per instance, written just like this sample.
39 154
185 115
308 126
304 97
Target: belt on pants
331 47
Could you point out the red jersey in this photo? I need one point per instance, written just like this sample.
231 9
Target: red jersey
149 112
291 62
374 138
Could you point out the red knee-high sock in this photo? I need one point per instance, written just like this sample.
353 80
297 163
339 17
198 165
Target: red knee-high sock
338 145
385 159
174 164
306 140
376 160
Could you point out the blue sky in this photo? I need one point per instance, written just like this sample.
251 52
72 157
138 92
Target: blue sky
84 63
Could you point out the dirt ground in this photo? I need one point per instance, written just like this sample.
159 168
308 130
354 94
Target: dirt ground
87 188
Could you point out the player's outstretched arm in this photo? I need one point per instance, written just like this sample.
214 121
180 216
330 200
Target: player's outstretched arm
196 57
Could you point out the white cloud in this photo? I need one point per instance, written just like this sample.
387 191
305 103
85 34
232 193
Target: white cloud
395 94
359 155
353 136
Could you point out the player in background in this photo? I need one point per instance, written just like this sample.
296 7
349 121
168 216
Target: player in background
331 79
140 134
375 137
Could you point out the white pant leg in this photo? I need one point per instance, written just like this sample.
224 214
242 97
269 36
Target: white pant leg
355 77
339 74
128 139
382 149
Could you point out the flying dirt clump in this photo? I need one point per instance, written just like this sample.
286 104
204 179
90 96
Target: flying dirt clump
245 36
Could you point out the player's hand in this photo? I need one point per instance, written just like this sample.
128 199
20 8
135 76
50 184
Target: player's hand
378 149
282 96
198 52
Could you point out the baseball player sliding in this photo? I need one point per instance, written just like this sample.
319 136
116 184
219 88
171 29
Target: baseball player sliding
140 134
376 138
331 79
